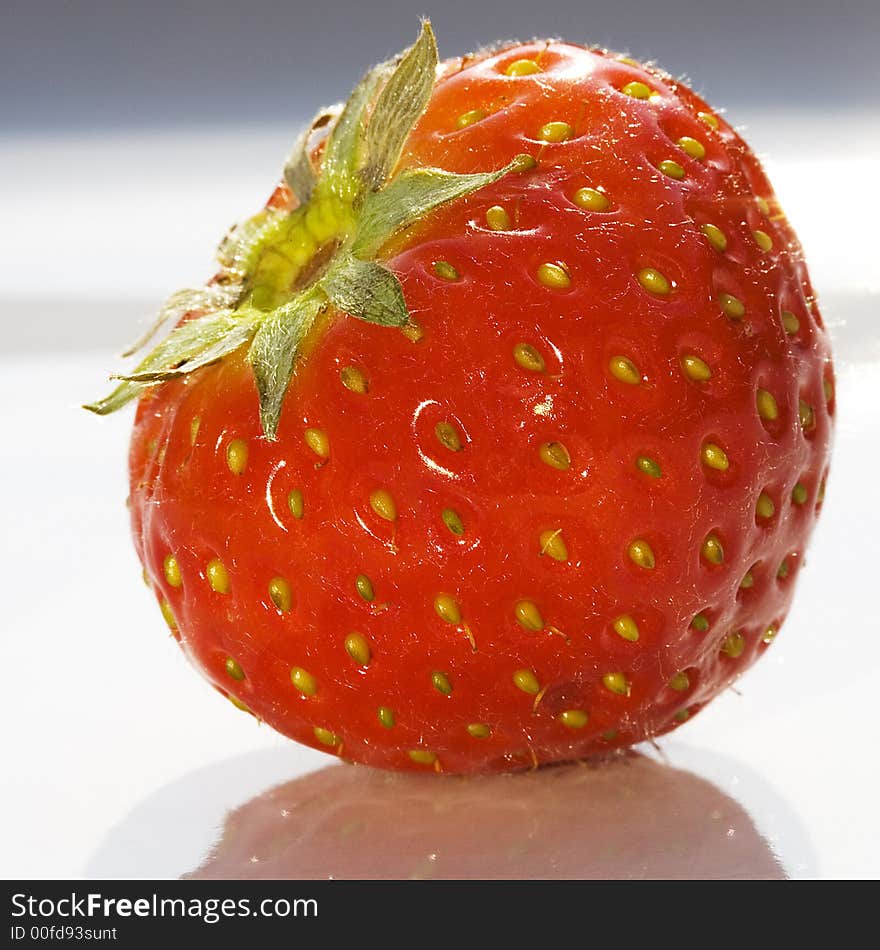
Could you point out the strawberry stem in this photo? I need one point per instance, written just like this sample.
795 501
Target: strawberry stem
282 268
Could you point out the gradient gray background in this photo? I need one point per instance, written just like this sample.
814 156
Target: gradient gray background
103 64
181 112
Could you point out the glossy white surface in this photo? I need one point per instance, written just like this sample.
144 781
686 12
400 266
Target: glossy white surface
119 761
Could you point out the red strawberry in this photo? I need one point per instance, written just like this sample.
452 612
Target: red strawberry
550 493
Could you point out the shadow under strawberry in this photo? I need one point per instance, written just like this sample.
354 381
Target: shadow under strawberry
630 817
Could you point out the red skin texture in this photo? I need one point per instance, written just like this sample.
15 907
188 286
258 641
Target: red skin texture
186 501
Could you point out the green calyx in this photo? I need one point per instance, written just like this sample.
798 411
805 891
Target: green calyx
281 270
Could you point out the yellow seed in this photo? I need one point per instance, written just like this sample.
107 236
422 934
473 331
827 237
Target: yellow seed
522 67
479 730
325 736
762 206
238 704
679 682
412 331
640 553
445 270
625 370
648 466
783 570
574 718
422 756
452 521
383 504
527 682
498 219
447 436
715 236
551 543
713 456
554 275
386 716
696 369
295 503
763 240
767 407
616 683
790 322
364 586
528 616
734 645
590 199
233 669
529 358
168 615
237 456
303 681
682 715
357 647
194 427
317 441
172 571
468 118
280 594
654 282
799 493
828 389
353 379
447 608
732 306
712 550
218 576
806 416
765 507
700 623
748 581
671 169
609 735
440 682
769 635
626 628
709 119
555 132
693 147
638 90
555 454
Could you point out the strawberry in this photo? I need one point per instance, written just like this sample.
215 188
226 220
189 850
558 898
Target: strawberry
499 435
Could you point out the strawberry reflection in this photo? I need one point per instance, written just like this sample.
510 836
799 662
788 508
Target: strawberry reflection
631 817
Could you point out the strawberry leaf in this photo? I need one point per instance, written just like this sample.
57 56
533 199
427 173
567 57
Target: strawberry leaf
413 194
192 345
274 350
401 102
282 266
206 299
121 396
299 170
366 290
189 346
345 144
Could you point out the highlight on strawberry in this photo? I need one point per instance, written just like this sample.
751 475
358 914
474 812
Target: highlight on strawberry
499 434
